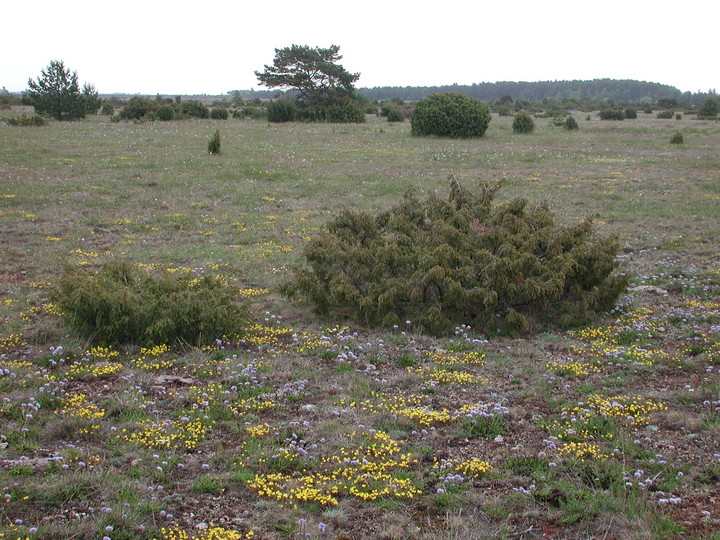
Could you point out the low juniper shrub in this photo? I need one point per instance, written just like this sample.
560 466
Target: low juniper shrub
441 263
395 114
281 110
219 113
120 304
24 120
523 123
570 124
677 138
612 114
165 112
450 115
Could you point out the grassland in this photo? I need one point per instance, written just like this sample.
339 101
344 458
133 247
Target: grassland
313 428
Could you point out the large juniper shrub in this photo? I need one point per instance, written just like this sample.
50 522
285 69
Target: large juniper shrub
441 263
282 110
612 114
450 115
345 110
120 304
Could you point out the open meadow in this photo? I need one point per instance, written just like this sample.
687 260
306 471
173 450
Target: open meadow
318 428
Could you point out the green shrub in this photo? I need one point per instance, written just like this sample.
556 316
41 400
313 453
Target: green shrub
504 111
256 113
107 110
442 263
709 109
165 112
395 114
122 305
194 108
346 110
392 103
137 107
611 114
677 138
219 113
571 124
214 144
27 121
665 115
648 110
630 113
678 116
450 115
558 120
281 110
523 123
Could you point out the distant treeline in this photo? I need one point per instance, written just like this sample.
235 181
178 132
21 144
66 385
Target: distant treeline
597 90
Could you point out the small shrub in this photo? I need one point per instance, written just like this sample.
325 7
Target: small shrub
137 107
195 109
450 115
504 111
345 111
630 113
395 114
281 110
611 114
677 138
219 113
558 120
165 112
678 116
523 123
214 144
571 124
665 115
443 263
122 305
27 121
107 110
648 110
710 109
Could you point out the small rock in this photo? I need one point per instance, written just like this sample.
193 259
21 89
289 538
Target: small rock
173 379
308 408
201 525
652 428
499 438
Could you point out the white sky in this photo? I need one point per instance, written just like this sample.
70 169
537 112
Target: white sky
156 46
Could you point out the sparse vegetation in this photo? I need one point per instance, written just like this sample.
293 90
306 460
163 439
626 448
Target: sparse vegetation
301 425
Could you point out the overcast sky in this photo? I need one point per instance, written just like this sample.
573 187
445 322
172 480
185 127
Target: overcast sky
155 46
